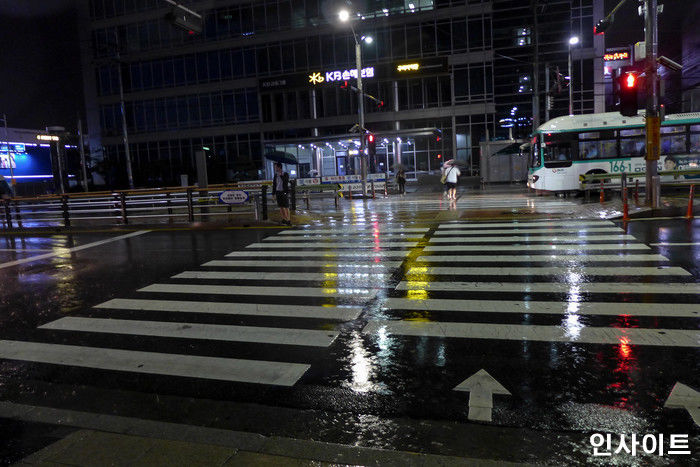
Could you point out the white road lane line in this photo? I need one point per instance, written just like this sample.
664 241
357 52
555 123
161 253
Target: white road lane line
337 292
675 244
334 263
64 251
542 224
553 287
214 368
540 258
533 239
25 250
573 308
587 335
336 313
419 271
219 332
582 230
535 247
351 278
344 255
340 238
362 245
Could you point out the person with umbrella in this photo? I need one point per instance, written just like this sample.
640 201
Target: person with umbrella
280 190
450 175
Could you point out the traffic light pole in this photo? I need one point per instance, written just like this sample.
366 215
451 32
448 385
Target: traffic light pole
361 114
653 124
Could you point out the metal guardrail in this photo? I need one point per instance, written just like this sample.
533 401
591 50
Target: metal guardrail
587 178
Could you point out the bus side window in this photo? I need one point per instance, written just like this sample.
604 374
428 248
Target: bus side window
535 155
632 147
695 143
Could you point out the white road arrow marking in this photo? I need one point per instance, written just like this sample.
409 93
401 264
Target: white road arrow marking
481 387
684 397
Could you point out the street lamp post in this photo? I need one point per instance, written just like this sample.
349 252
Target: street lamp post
344 16
572 42
9 156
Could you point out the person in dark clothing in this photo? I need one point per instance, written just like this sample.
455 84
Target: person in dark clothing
401 180
280 189
5 190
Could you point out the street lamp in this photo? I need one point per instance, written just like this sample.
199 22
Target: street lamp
573 40
344 16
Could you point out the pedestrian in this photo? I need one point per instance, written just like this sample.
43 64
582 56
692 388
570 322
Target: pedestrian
451 174
280 188
5 190
401 180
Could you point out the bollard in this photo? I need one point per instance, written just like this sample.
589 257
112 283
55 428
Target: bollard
636 192
307 198
122 198
18 215
336 199
602 192
8 214
293 189
691 195
190 207
66 214
263 199
386 192
372 189
349 192
255 207
625 206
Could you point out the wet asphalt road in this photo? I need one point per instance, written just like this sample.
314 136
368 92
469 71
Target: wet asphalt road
368 322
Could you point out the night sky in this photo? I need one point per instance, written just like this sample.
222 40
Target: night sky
40 81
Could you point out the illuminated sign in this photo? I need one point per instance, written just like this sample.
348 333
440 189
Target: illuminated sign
339 75
47 137
611 57
408 67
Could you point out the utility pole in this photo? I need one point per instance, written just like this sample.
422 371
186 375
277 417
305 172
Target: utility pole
125 134
361 114
653 122
9 156
536 71
82 154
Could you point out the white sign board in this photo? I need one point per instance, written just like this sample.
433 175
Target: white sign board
233 197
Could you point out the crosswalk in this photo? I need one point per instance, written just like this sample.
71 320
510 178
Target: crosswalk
293 288
565 269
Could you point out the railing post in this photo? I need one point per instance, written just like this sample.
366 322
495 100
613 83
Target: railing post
18 214
255 207
66 213
636 192
190 207
8 214
656 191
168 202
372 189
691 195
307 198
263 200
122 198
293 189
336 196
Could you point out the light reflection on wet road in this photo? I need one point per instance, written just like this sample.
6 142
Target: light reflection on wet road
589 337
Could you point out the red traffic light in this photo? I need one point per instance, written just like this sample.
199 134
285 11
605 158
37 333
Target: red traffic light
439 156
370 138
630 80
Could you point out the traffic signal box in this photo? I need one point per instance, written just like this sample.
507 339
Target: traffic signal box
371 145
628 85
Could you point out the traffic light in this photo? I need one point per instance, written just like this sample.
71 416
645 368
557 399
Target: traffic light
601 26
628 82
371 145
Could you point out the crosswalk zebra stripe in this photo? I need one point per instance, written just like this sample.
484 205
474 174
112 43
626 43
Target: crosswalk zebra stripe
346 278
339 292
584 230
677 310
370 229
214 368
574 334
336 313
343 237
422 271
536 247
535 258
219 332
529 239
344 255
334 245
554 287
355 264
542 224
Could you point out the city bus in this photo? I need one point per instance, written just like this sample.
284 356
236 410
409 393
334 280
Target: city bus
566 147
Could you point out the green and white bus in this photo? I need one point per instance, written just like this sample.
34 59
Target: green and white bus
573 145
